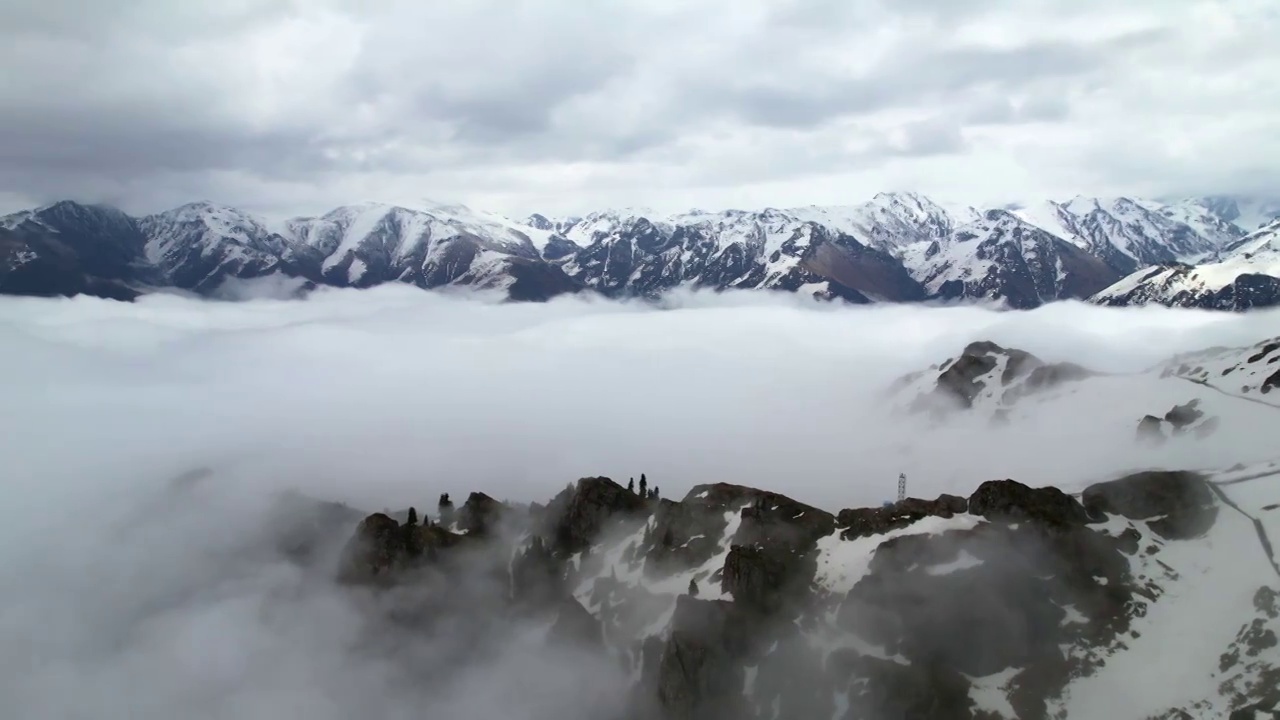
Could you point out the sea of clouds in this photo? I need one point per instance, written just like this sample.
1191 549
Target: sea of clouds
120 601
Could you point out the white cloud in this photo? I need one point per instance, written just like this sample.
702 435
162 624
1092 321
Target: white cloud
118 601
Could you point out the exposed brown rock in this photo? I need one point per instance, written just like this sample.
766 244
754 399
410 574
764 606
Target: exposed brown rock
1151 430
1011 501
480 514
1178 505
382 549
700 675
578 514
861 522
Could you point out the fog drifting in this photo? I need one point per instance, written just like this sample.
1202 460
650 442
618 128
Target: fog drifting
122 601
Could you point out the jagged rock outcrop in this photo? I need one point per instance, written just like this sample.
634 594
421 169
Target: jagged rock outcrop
1179 505
537 575
383 550
897 247
985 374
1180 420
1151 430
578 514
733 602
861 522
700 676
480 514
778 521
577 627
1011 501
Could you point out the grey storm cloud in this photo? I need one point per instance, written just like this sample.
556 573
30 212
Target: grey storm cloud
562 106
908 77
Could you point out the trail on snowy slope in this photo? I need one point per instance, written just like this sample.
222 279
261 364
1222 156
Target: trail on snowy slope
1263 539
1215 388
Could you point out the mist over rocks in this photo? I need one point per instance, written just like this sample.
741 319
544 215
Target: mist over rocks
228 594
1029 585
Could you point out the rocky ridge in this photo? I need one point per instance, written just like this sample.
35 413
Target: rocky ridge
986 377
896 247
1002 385
735 602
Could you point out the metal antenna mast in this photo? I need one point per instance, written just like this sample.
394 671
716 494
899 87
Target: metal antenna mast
902 487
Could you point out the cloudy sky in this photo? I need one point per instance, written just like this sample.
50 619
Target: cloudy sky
294 106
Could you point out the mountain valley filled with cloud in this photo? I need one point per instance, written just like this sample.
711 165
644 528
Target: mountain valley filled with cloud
639 360
185 482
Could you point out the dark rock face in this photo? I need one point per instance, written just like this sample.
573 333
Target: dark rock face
1164 285
1011 501
862 522
982 600
778 521
577 627
1023 265
886 689
962 379
480 514
699 676
1180 504
859 271
1150 430
537 576
793 678
538 282
1183 415
579 513
68 248
758 578
382 550
685 534
1041 591
71 249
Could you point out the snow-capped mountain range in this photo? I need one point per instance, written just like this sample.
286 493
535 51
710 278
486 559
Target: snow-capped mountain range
896 247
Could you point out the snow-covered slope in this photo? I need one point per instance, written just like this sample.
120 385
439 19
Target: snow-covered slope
1151 594
1129 234
889 221
1204 220
636 252
67 248
897 246
1188 397
1249 276
199 246
372 243
1002 257
1252 371
1245 212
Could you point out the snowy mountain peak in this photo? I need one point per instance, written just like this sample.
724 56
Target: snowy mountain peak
1247 276
895 246
1248 213
1265 239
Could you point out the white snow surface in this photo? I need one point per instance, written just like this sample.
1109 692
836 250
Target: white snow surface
209 226
1238 402
1257 253
1053 217
1169 660
902 224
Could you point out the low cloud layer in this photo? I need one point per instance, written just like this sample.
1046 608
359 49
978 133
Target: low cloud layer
288 108
122 596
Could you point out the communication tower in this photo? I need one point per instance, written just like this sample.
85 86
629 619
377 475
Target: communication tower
902 487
